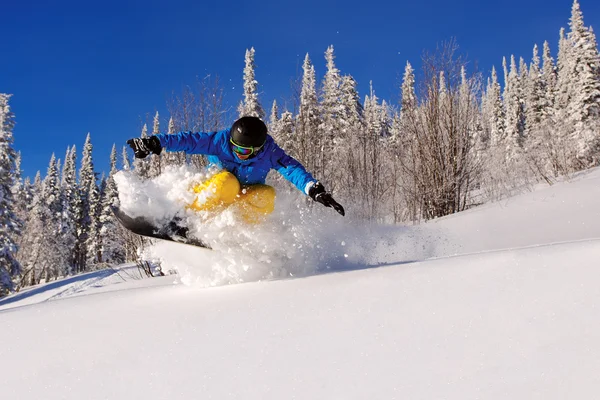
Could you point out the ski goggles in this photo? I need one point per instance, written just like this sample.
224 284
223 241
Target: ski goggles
243 150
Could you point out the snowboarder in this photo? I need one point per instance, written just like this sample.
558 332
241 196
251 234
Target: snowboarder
244 153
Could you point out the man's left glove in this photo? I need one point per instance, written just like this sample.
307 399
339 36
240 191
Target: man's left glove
144 146
318 193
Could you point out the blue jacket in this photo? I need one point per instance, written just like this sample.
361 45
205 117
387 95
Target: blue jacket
253 170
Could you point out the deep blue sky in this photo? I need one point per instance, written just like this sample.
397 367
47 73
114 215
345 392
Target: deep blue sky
75 67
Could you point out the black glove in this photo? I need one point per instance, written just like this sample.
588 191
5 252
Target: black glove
318 193
144 146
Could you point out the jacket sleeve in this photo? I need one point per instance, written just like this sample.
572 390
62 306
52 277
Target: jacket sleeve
191 143
292 170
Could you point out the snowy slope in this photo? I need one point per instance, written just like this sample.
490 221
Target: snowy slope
515 316
567 211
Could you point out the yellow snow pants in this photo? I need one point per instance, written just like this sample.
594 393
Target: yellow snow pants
252 203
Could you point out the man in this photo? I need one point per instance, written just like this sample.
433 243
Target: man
245 153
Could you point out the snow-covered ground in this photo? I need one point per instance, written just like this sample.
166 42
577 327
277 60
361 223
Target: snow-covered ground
499 302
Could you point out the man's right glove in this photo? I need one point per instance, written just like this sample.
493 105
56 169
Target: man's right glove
318 193
144 146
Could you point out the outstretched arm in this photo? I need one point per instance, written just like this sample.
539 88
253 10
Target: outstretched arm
294 171
191 143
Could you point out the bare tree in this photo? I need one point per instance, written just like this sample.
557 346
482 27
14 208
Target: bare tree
440 159
201 109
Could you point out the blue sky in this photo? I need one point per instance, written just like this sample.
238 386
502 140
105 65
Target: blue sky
78 67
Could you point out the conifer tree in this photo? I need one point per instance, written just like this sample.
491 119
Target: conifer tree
408 104
535 95
515 115
173 158
154 168
286 130
56 261
371 179
142 165
565 72
584 105
497 117
10 268
70 201
125 159
35 240
549 79
20 193
87 180
351 116
331 113
251 105
308 120
351 125
171 129
505 69
273 121
93 244
112 247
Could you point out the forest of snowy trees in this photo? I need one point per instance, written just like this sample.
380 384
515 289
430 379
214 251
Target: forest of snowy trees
456 139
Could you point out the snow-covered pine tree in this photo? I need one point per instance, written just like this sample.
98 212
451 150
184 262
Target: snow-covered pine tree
408 102
331 114
565 75
307 120
372 178
523 84
171 128
515 115
155 162
286 130
505 69
403 147
537 112
10 268
398 147
274 121
142 165
19 192
57 259
17 175
535 96
34 245
93 243
443 88
44 254
125 158
549 79
70 201
26 198
251 105
351 110
497 117
112 248
469 108
584 107
351 127
173 158
87 178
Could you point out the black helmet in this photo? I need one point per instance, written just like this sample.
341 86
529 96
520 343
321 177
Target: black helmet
249 132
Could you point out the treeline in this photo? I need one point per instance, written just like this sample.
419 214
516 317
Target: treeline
455 140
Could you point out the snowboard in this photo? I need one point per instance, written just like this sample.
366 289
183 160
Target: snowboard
172 232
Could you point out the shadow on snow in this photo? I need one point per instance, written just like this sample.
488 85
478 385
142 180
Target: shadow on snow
67 282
